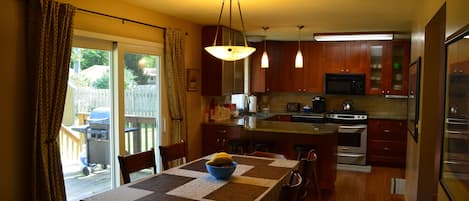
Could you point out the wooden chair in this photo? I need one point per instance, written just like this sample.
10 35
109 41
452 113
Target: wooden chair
135 162
173 152
291 190
267 155
309 173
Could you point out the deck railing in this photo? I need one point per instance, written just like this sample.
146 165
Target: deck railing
139 138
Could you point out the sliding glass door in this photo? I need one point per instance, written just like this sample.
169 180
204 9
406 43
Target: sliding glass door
112 107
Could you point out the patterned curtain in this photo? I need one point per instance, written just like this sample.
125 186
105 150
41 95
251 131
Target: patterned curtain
175 81
50 42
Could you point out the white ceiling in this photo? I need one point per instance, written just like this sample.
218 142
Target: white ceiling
283 16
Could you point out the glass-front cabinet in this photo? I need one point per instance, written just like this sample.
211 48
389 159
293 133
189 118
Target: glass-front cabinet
398 69
454 175
376 68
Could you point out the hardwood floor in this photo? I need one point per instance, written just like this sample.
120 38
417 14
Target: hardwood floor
358 186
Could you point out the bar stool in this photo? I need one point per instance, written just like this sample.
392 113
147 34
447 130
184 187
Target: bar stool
309 170
263 146
302 150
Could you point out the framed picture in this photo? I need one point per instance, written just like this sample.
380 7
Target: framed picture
193 79
413 98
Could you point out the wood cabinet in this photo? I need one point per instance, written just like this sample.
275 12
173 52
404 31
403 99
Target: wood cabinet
221 77
215 137
387 63
344 57
282 76
387 142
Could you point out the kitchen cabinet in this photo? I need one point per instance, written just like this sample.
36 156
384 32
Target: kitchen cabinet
388 63
387 142
344 57
282 76
221 77
215 137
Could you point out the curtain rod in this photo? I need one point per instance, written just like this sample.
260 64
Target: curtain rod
121 18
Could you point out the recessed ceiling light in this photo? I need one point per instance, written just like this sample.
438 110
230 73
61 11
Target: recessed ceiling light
352 37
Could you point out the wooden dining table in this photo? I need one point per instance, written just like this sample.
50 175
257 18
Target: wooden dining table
255 178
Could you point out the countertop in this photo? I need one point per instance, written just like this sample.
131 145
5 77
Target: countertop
254 123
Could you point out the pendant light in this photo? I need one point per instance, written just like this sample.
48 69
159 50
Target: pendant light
265 58
230 52
299 55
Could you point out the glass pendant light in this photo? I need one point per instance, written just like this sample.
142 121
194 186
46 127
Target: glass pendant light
230 52
299 55
265 58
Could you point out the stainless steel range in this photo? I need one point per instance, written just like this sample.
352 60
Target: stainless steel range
352 136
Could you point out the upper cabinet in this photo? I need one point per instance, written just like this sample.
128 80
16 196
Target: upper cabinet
384 63
282 76
221 77
344 57
388 63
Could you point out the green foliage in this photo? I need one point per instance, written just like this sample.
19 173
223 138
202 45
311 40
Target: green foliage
89 57
103 81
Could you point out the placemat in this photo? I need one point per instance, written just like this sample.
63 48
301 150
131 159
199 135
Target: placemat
235 191
252 161
163 197
162 183
267 172
196 166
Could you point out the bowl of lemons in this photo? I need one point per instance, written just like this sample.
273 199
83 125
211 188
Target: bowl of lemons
221 166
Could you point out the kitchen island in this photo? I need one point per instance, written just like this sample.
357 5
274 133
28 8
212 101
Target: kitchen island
281 137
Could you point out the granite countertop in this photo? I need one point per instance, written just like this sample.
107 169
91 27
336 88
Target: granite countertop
291 127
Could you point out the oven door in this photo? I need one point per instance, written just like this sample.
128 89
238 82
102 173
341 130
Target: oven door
458 146
352 139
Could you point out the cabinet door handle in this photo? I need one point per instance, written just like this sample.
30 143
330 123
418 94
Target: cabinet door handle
223 142
386 130
386 149
347 70
221 131
341 70
218 140
387 91
299 89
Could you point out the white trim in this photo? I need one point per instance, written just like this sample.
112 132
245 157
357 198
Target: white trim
112 38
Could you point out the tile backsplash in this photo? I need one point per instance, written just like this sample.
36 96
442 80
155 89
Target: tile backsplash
372 104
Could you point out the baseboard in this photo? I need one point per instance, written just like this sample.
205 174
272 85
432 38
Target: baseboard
356 168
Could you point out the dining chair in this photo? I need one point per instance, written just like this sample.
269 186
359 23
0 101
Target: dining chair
135 162
291 190
267 155
173 152
308 170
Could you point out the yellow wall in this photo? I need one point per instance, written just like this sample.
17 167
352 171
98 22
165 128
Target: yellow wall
456 17
99 24
12 104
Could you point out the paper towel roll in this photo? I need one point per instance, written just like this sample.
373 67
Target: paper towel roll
252 104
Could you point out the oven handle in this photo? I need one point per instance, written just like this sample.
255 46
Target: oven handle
352 126
351 155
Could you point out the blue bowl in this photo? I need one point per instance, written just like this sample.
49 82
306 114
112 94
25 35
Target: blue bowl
223 172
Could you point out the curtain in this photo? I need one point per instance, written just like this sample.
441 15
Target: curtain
175 81
50 42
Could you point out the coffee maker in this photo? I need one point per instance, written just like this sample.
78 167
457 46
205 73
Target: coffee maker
319 104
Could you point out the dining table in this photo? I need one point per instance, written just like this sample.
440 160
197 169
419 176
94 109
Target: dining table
254 179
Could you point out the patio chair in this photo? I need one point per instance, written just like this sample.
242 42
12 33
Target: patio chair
135 162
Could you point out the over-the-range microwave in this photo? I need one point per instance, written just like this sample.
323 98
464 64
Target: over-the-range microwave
344 84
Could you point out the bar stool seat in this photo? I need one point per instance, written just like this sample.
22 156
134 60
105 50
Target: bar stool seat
238 146
263 146
302 150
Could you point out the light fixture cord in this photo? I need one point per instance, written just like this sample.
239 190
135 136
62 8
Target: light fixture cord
299 35
242 24
231 31
218 23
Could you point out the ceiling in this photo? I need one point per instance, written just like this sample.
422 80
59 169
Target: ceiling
283 16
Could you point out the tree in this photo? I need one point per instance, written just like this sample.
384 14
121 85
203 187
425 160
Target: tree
103 81
86 58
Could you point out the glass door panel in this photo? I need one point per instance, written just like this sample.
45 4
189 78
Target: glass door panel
141 103
86 134
376 66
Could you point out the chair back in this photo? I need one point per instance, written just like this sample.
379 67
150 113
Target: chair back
291 191
267 155
135 162
173 152
308 169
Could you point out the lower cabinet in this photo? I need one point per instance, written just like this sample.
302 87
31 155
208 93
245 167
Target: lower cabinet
279 118
387 141
215 137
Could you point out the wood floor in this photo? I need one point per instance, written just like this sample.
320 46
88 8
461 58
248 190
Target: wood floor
358 186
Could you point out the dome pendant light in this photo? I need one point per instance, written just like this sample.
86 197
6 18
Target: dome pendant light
265 58
299 55
230 52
